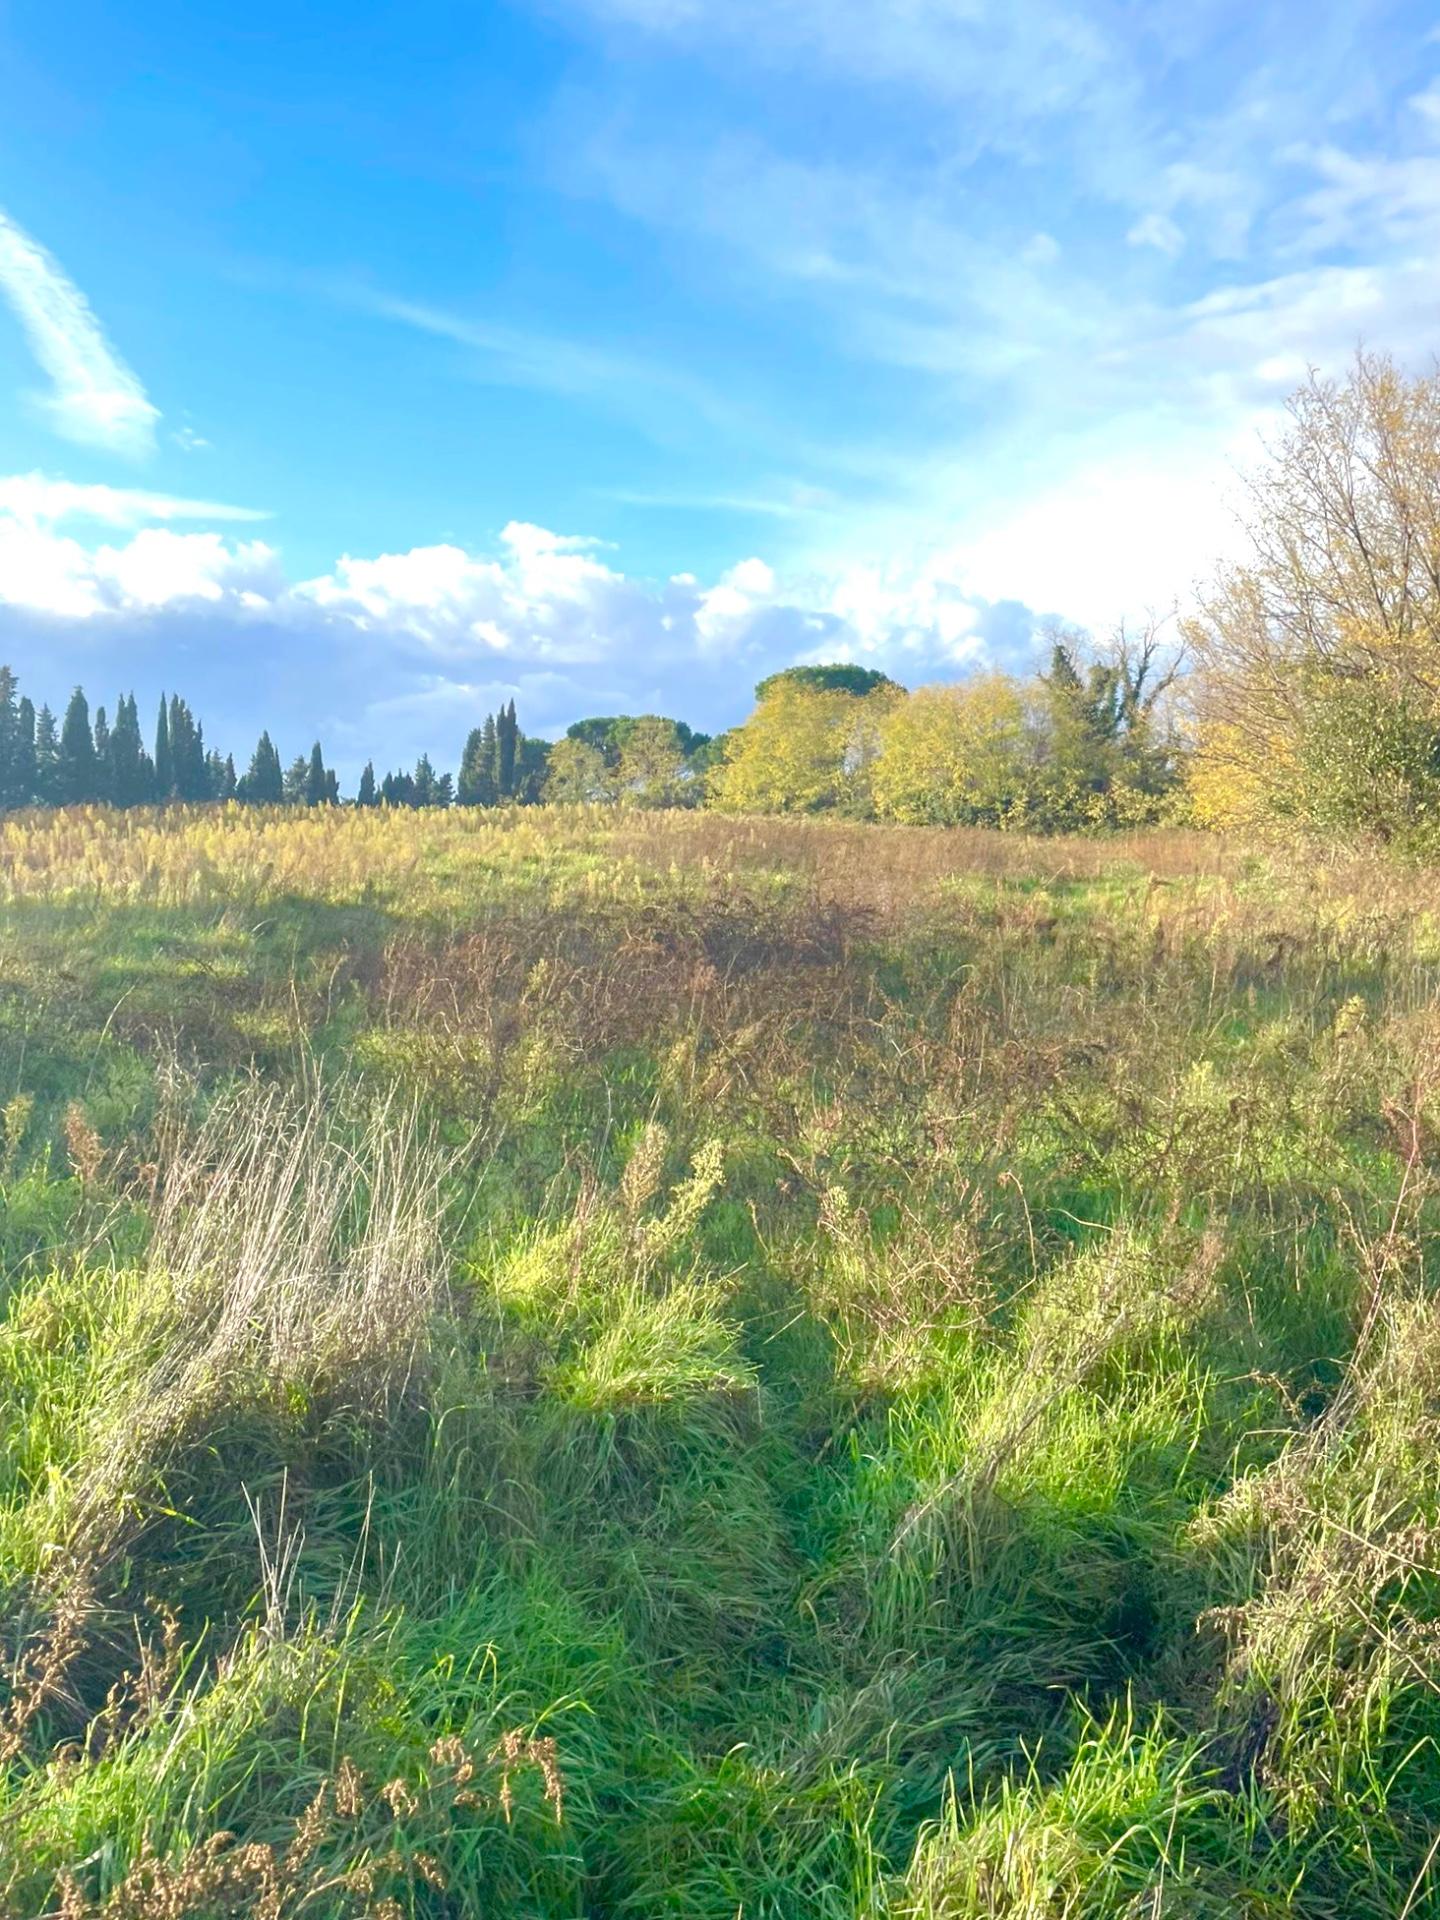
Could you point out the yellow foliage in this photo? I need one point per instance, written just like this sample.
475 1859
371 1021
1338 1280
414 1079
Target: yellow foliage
792 755
1231 785
952 753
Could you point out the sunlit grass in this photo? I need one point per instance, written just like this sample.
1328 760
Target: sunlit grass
908 1356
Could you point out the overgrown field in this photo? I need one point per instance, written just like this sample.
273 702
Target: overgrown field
636 1365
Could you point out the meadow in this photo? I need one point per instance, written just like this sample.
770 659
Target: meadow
581 1362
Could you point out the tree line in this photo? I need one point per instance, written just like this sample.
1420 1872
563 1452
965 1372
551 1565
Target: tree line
1091 741
1311 698
80 761
1078 746
83 761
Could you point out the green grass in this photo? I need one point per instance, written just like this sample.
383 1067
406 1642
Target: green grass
913 1359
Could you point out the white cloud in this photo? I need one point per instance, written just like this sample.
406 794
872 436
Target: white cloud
1157 230
543 602
34 496
794 502
53 574
163 569
722 613
1115 537
95 398
1367 200
546 596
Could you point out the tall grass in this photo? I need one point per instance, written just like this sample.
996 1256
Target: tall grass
625 1365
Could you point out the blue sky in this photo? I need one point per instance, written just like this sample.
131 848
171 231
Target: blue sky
362 367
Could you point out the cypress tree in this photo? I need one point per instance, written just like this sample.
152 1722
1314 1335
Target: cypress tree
295 781
131 777
188 772
103 789
367 796
118 771
316 784
27 771
507 734
164 764
199 771
227 784
47 759
179 748
75 755
424 787
477 786
532 769
264 784
11 794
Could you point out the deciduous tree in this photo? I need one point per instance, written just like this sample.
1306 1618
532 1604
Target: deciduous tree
578 774
955 755
1332 612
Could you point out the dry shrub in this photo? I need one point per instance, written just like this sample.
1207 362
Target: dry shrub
489 1016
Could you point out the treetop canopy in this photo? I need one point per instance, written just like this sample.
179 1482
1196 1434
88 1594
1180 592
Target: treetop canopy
840 677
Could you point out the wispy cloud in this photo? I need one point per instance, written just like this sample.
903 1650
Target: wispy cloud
794 503
660 397
974 265
1015 66
95 399
37 498
1157 230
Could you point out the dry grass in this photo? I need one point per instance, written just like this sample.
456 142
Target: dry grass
296 1251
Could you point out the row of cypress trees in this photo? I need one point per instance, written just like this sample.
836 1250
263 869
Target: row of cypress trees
499 763
79 761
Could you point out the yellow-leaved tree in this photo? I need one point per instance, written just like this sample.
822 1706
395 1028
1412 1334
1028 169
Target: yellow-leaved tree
1317 696
805 749
953 755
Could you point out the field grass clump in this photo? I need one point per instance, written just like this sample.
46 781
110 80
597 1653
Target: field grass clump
558 1363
